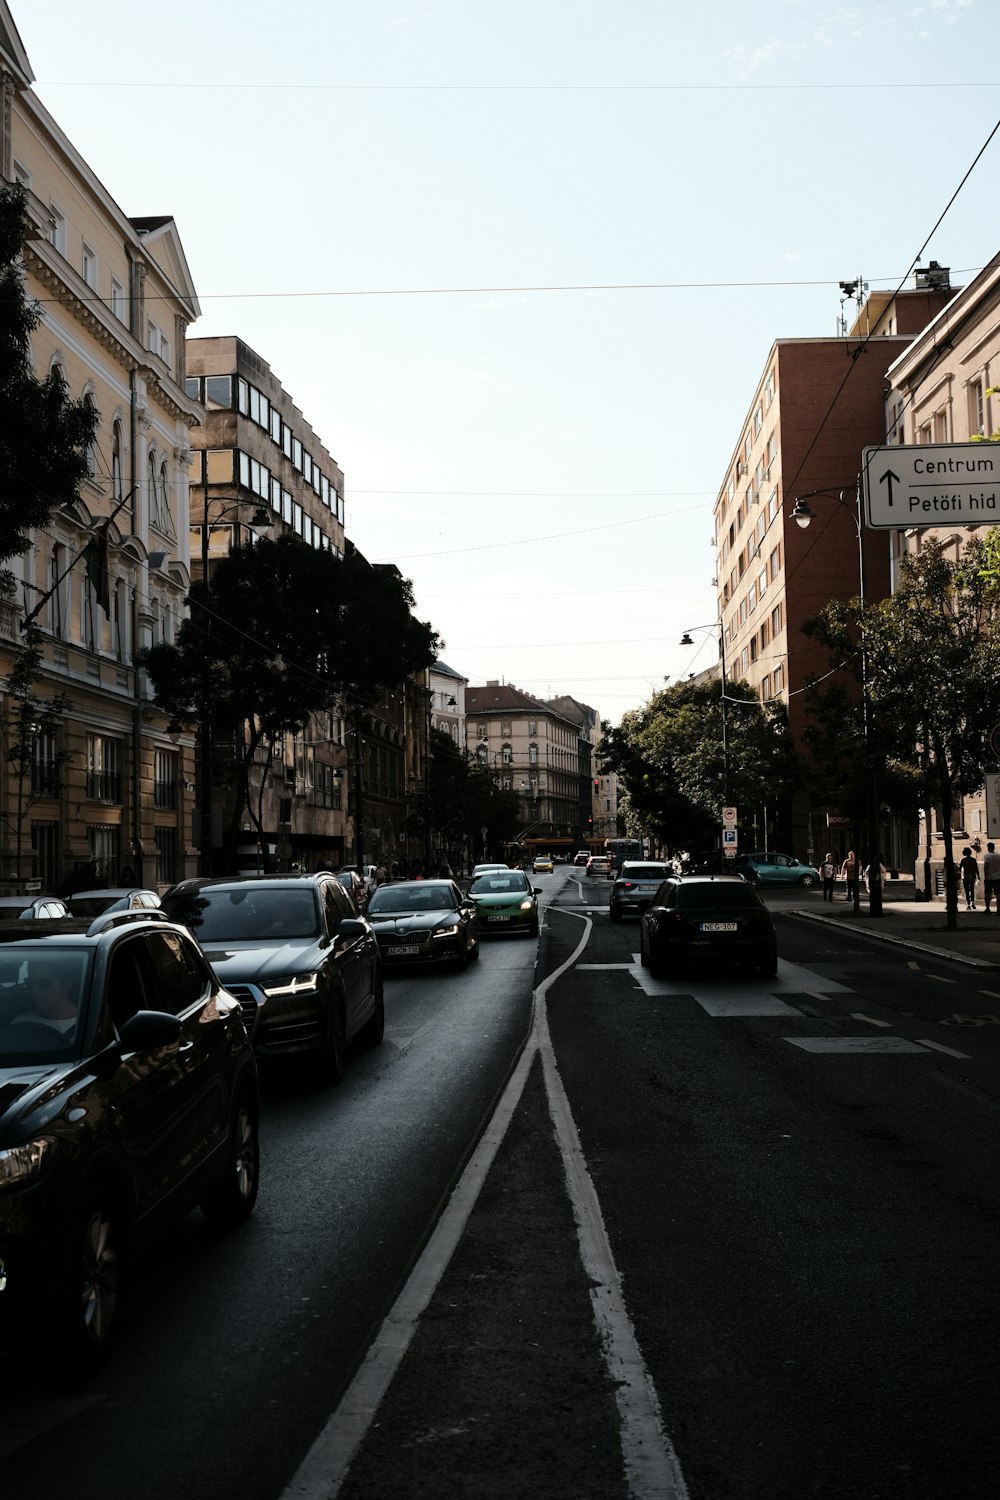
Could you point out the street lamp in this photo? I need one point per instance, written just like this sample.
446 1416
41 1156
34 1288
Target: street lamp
259 524
802 515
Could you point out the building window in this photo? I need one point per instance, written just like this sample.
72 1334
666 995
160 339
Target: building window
91 629
45 847
89 266
218 392
166 856
44 766
506 755
775 563
165 764
117 299
779 680
57 586
117 491
776 621
166 523
104 841
533 755
104 779
977 410
57 229
119 621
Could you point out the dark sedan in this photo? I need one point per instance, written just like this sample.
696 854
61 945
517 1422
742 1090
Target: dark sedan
703 919
128 1094
302 961
424 922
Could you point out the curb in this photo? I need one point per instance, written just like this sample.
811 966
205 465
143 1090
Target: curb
900 942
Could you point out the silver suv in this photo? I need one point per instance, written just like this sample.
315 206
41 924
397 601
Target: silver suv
634 888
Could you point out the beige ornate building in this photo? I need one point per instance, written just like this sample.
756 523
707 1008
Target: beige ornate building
117 298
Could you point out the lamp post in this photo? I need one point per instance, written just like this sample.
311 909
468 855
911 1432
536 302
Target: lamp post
259 524
687 641
802 515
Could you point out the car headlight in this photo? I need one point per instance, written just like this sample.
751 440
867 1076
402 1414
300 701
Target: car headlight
21 1163
526 904
292 984
451 931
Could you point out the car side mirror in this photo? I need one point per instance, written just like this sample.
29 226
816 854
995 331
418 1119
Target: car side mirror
351 929
536 890
149 1029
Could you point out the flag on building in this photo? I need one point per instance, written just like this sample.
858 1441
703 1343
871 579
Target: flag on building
96 560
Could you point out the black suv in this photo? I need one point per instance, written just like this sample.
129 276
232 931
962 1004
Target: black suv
295 951
128 1094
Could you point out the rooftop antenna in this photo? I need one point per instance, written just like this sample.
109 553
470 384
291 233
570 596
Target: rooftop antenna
849 289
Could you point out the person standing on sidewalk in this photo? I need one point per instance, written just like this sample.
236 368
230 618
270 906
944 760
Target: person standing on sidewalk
849 873
828 870
991 877
969 866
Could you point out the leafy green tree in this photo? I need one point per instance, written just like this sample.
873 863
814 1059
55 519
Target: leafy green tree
679 768
465 798
932 653
44 436
284 631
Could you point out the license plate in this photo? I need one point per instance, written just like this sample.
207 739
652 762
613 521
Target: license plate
646 890
404 950
719 927
498 919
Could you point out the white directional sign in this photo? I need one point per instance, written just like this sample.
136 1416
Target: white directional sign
932 484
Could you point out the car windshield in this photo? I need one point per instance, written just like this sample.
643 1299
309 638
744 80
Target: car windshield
420 896
715 894
41 1003
245 913
498 883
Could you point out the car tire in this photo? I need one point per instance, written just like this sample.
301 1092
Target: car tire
90 1296
805 881
643 955
461 962
657 967
232 1202
768 966
332 1061
372 1032
615 914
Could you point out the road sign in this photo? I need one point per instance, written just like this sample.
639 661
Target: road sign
995 739
728 817
932 484
730 839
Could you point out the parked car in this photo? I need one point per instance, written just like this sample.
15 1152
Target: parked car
599 865
28 908
424 922
542 865
634 887
128 1095
506 901
302 962
771 868
698 919
87 904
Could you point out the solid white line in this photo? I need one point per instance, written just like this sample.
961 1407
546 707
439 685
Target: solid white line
325 1466
652 1470
940 1047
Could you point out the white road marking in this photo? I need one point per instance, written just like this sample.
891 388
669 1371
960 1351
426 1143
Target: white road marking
831 1044
941 979
992 994
652 1470
940 1047
911 963
856 1015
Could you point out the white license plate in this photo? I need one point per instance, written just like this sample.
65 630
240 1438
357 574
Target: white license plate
718 927
404 950
498 919
645 890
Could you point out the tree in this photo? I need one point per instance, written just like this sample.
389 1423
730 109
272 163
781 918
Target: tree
464 798
932 653
44 436
679 769
284 631
28 721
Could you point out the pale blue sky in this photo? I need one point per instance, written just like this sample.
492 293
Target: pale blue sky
542 464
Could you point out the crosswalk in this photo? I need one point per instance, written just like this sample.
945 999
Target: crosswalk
723 996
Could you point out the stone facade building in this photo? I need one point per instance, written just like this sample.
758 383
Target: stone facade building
532 749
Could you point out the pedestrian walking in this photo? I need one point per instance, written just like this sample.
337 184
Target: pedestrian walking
849 873
876 868
969 869
991 877
828 870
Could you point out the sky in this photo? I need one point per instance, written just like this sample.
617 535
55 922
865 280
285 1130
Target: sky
520 265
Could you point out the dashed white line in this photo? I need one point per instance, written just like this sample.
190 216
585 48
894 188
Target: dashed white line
856 1015
940 1047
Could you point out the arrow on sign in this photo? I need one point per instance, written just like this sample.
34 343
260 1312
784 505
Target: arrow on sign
887 479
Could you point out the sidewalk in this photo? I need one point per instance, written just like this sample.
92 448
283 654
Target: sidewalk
920 925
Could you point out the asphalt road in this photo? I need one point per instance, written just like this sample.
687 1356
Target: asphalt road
797 1180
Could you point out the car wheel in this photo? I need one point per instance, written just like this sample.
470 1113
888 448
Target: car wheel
372 1032
461 960
232 1202
89 1300
643 955
806 881
657 966
768 965
332 1062
616 915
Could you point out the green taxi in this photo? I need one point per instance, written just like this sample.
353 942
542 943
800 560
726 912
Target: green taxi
506 902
